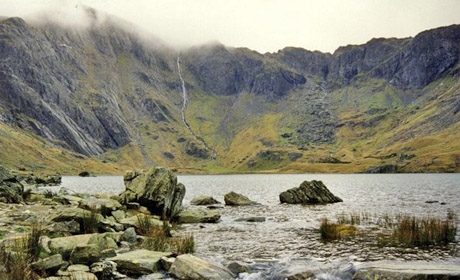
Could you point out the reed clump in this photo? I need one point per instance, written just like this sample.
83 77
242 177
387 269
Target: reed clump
424 231
91 219
335 231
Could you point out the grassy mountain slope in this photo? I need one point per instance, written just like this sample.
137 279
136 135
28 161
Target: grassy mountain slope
106 99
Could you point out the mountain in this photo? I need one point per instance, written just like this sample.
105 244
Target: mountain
106 97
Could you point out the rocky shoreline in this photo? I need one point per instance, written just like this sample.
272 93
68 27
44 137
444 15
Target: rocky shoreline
107 237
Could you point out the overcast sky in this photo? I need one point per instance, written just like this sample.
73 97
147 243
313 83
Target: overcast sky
264 25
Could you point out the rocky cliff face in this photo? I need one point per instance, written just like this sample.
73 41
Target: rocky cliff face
102 88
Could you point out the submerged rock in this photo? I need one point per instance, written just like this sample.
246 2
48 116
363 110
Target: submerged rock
199 216
309 192
189 267
204 200
236 199
407 271
157 189
251 219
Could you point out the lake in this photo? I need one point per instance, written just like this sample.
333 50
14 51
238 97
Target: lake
289 239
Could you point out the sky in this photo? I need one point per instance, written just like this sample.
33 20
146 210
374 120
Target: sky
262 25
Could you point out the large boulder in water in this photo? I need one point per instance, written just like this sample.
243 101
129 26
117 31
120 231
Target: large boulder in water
157 189
11 190
407 271
236 199
309 192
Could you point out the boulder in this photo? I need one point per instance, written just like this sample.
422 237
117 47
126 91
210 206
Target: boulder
236 199
204 200
134 221
157 189
309 192
139 262
199 216
84 174
129 235
50 264
11 190
104 205
78 267
407 271
65 245
81 275
192 268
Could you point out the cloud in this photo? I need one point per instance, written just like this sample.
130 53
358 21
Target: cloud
263 25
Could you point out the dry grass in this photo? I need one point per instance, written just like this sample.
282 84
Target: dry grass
17 257
159 238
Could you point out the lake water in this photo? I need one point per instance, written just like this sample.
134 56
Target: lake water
288 241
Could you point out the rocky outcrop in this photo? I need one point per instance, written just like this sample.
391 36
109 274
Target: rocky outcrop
188 267
236 199
309 192
193 216
11 190
204 200
388 168
407 271
156 188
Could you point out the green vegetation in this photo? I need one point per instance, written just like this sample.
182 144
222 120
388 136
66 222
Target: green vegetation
91 221
334 231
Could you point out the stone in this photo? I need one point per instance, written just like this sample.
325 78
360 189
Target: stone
65 245
129 235
50 264
78 267
104 205
81 275
305 275
204 200
134 221
189 267
309 192
139 262
154 276
166 262
74 214
407 271
66 227
85 254
157 189
235 199
84 174
119 215
104 270
251 219
199 216
238 267
43 242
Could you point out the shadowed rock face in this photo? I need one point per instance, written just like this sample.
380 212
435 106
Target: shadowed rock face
309 192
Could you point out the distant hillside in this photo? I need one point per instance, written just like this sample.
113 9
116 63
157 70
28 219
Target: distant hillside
107 99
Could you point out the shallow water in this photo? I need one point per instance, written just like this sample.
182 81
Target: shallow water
288 240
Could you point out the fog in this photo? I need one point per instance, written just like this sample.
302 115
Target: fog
262 25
